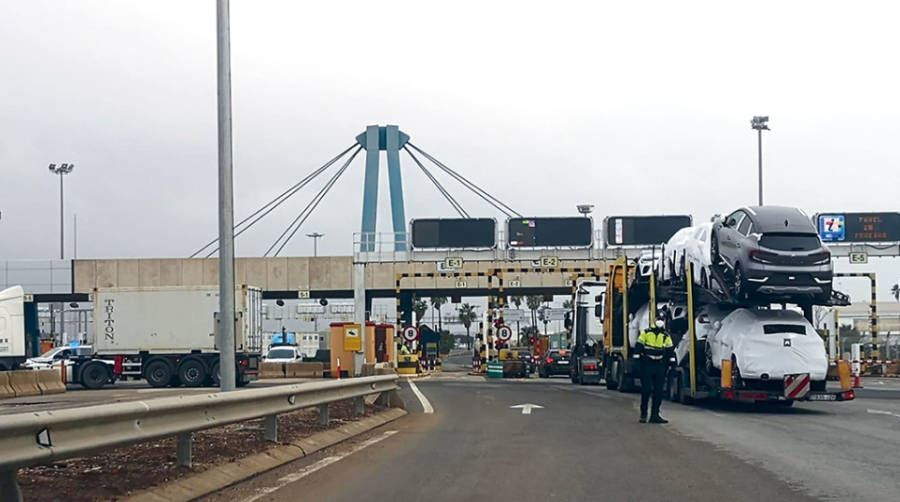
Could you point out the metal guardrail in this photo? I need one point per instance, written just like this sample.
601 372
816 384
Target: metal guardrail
34 438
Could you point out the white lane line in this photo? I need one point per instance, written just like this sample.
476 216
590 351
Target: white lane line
882 412
321 464
426 406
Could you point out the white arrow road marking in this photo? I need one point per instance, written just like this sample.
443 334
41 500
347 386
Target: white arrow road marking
426 406
527 407
882 412
325 462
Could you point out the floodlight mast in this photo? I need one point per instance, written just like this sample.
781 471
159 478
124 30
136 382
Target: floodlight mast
760 123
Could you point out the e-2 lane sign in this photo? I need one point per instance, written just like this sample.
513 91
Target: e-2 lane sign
859 227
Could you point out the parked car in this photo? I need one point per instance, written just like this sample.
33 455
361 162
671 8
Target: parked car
555 363
765 346
283 354
690 245
63 352
774 251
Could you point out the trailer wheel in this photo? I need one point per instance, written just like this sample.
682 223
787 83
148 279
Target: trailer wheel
94 375
192 372
158 373
215 375
736 382
672 386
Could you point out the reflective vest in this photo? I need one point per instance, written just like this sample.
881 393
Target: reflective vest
655 344
404 349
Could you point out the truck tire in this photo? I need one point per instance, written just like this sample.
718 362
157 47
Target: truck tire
611 382
158 373
94 375
214 375
192 372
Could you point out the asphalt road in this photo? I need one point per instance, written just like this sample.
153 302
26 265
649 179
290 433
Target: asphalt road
586 444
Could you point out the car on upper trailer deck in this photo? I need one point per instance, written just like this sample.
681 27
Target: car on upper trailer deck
773 251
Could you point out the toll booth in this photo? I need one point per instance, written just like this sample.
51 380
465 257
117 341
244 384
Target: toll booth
384 337
430 342
344 341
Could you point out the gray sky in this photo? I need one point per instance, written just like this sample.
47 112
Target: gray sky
638 108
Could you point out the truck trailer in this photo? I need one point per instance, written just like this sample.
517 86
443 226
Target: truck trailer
169 335
12 328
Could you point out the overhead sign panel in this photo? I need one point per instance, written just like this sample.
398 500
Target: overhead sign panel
454 233
642 230
859 227
549 232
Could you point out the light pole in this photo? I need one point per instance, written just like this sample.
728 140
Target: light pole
315 237
585 209
61 170
760 124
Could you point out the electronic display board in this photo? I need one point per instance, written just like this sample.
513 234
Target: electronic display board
642 230
454 233
549 232
859 227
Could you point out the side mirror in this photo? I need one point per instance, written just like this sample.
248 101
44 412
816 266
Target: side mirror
598 310
730 223
717 324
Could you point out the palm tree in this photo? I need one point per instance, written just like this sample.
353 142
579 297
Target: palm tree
533 302
567 304
420 306
436 303
467 315
516 300
895 290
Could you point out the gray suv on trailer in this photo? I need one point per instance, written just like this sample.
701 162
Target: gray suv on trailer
772 251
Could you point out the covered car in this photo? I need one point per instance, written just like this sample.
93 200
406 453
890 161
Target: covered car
767 345
690 245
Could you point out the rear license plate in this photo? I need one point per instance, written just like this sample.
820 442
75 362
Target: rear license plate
822 397
591 372
562 362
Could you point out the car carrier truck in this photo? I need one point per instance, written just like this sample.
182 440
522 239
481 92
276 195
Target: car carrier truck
694 315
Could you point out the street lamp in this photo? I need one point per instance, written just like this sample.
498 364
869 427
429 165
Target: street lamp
585 209
760 124
61 170
315 237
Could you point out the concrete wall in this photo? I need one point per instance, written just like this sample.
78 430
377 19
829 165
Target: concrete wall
325 273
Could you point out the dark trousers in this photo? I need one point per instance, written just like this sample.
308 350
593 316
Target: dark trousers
653 377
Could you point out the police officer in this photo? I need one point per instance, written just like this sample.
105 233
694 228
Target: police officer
655 348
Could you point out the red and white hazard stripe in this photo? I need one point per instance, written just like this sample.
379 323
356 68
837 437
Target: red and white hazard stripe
796 386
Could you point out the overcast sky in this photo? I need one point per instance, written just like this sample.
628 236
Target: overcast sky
636 107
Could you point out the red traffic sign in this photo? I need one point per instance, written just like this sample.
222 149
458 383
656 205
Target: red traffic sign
504 333
410 333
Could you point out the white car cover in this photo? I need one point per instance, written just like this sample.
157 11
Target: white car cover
769 342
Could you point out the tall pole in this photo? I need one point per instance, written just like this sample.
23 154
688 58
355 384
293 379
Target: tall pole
61 223
759 131
315 237
226 200
760 123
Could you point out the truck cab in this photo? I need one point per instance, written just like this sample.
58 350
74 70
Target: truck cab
587 331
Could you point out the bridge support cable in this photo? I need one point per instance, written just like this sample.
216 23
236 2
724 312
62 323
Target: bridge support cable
308 210
453 202
274 203
490 199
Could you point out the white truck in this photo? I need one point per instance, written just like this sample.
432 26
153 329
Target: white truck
169 335
12 328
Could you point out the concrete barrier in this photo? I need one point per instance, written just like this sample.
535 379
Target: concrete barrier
24 383
304 370
271 370
6 389
50 382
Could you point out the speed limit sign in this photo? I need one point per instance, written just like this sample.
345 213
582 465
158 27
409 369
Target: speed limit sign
504 333
410 333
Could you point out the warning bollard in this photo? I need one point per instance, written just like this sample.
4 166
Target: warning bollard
844 374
